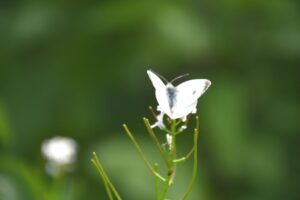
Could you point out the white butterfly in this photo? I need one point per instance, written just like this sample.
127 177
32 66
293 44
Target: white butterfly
178 102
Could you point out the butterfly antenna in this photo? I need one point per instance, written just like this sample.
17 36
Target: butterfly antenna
163 78
178 77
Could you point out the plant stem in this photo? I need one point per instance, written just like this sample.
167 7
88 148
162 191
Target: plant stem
100 168
153 113
184 158
142 153
154 138
173 150
108 191
195 160
156 183
172 166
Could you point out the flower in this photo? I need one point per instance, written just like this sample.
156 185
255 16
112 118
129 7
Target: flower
60 152
159 122
169 140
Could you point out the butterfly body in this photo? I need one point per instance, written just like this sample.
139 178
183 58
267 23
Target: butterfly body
178 101
171 94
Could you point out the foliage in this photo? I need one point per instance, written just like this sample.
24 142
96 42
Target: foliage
78 68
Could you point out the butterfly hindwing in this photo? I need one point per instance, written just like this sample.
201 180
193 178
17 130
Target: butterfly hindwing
187 96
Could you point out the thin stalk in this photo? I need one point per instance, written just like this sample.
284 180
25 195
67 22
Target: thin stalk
172 167
184 158
195 166
173 150
108 191
156 183
153 113
187 120
142 153
165 188
100 168
154 138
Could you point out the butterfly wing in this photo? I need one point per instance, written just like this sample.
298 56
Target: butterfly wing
187 96
160 92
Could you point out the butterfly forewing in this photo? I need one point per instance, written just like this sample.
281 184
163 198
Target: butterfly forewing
187 96
161 93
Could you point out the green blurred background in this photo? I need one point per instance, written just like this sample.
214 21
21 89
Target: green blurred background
78 69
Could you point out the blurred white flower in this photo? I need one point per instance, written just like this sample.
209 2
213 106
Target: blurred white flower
182 128
169 140
59 152
160 121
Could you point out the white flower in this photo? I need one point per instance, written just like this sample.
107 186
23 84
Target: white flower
169 140
182 128
160 121
60 150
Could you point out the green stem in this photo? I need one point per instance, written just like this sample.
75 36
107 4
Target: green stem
100 168
195 160
156 183
108 191
173 150
153 113
184 158
154 138
142 153
172 166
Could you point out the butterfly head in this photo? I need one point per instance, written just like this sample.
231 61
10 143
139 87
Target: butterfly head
170 85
